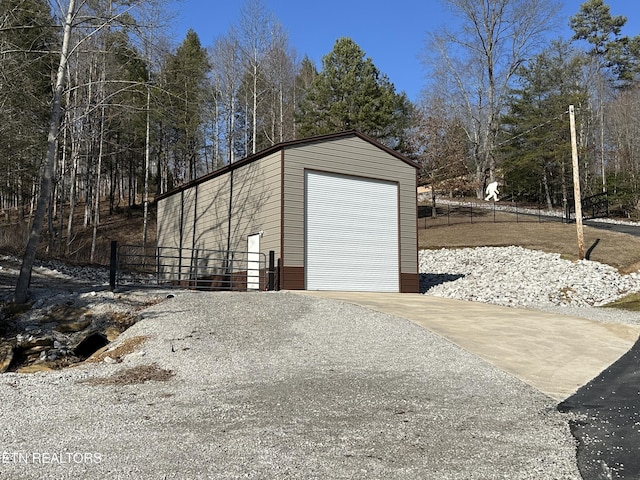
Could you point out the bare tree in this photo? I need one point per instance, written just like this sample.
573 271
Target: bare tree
595 24
623 127
279 74
83 22
473 64
439 146
255 34
22 286
226 81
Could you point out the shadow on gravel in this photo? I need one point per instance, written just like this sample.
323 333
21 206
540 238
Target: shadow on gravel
429 280
607 415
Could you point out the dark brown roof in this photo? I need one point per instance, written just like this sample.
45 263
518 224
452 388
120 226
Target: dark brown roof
283 146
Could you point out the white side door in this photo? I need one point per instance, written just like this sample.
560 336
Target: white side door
253 262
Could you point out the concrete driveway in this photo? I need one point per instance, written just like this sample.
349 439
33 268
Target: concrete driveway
556 354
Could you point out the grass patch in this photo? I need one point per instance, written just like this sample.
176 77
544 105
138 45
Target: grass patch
620 250
630 302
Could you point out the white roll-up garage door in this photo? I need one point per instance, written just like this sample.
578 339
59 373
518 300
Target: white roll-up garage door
351 233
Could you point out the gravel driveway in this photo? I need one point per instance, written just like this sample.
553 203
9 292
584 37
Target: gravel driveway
280 385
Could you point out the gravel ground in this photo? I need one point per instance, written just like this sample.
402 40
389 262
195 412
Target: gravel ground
280 385
277 385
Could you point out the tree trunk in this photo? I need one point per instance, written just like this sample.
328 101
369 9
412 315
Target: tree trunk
434 213
73 192
565 193
96 215
63 168
22 285
547 192
147 154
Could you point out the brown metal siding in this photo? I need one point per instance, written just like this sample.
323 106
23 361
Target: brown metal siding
347 156
409 283
292 278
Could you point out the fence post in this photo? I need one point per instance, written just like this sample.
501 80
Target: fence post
113 265
272 257
157 265
197 260
494 212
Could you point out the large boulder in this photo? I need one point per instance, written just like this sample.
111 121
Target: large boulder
69 319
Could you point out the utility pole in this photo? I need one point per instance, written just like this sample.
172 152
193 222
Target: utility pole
576 183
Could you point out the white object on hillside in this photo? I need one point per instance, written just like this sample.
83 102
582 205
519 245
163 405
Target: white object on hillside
492 191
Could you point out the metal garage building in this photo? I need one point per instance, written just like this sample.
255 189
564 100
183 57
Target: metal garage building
339 211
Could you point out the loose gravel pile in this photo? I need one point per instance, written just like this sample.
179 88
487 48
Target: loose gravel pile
519 277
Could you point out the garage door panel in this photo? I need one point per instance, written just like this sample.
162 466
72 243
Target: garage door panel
351 233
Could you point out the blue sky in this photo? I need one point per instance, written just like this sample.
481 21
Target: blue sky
391 33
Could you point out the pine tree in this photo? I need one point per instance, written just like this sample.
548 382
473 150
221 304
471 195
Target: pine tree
307 73
185 81
26 64
595 24
609 51
350 93
538 145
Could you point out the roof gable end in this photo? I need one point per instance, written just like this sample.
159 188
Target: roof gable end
284 146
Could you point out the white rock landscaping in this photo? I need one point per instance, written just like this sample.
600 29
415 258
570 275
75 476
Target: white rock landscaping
516 276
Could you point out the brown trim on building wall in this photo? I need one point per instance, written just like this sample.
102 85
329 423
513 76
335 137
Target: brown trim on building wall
280 270
399 214
417 235
409 283
292 278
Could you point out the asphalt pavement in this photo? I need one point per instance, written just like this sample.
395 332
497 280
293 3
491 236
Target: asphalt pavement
608 421
615 227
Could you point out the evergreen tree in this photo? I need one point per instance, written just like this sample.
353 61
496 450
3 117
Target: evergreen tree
595 25
26 64
538 152
611 54
126 122
307 73
350 93
185 81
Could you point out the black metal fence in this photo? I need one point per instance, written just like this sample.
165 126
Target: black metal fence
452 212
202 269
595 206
